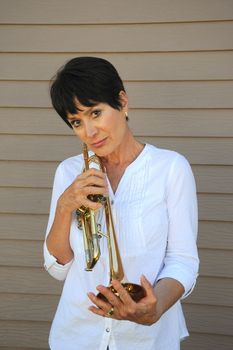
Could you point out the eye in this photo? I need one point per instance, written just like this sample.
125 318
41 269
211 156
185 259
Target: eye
75 123
96 113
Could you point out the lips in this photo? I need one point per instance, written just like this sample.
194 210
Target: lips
99 143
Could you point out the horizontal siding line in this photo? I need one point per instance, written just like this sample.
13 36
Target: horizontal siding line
218 221
207 334
42 187
133 109
114 54
200 221
95 24
111 23
21 348
59 161
58 293
33 267
50 161
89 53
135 134
200 275
46 161
128 81
29 294
55 295
21 213
46 214
41 268
201 192
225 194
206 249
198 304
55 162
42 240
202 304
216 277
72 135
34 214
34 240
25 321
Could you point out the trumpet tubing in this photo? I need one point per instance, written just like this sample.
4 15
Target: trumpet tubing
91 234
87 222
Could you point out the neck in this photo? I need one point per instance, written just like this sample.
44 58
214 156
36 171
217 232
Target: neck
125 153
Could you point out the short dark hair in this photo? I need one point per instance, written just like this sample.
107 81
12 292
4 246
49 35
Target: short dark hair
90 80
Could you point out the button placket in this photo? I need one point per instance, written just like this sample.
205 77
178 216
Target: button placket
108 325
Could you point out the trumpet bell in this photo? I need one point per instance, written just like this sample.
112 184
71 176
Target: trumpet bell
135 291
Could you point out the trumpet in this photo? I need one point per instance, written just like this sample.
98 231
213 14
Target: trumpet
86 218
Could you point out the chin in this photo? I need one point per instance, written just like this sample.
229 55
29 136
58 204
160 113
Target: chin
102 151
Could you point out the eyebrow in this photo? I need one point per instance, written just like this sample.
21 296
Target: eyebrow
85 113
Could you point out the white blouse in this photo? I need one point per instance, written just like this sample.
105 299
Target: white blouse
155 214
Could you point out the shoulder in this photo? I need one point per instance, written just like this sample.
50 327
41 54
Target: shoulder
166 157
169 164
74 162
70 168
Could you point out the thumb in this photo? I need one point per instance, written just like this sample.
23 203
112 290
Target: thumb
147 286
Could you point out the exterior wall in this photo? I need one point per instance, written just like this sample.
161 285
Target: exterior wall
176 58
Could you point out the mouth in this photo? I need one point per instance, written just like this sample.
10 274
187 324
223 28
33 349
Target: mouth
99 143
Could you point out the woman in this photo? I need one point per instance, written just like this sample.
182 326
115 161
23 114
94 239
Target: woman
154 206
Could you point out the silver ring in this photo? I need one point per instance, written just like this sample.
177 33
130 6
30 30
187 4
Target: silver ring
110 312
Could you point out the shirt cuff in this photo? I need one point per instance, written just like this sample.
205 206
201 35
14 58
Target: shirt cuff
55 269
188 280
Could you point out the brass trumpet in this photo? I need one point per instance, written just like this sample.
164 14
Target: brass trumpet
91 235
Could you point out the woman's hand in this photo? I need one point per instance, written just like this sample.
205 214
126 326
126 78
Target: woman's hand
92 181
144 312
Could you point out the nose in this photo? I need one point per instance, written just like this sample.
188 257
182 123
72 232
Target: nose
90 129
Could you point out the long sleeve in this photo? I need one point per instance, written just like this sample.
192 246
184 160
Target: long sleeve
181 260
51 265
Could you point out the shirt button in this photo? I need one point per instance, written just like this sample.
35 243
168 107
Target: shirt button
112 202
108 330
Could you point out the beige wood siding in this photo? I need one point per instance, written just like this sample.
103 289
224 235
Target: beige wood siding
176 58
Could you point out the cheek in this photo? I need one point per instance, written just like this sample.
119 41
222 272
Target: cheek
115 125
78 131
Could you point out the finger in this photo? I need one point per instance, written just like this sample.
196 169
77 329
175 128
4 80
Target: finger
95 190
103 309
97 311
109 295
94 181
147 286
100 304
124 296
92 172
91 205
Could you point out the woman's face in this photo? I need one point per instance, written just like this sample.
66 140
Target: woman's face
101 127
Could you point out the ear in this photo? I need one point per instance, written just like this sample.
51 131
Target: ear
124 100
